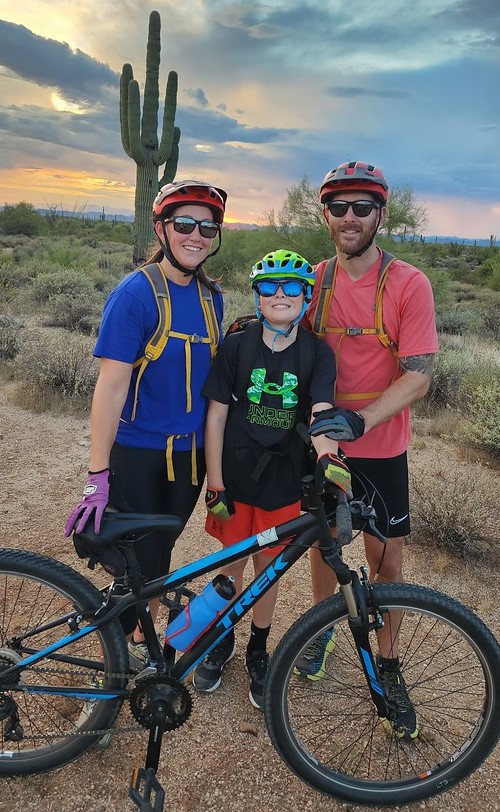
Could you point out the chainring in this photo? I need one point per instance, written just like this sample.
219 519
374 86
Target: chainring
152 692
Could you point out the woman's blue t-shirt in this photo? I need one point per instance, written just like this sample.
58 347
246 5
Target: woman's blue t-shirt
129 319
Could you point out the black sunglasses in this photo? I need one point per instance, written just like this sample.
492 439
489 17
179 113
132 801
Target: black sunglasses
361 208
186 225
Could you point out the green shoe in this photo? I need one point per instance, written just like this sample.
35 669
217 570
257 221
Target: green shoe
311 664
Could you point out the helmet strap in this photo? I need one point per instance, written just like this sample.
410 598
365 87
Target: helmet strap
280 331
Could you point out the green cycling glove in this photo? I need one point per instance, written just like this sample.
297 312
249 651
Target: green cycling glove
336 472
219 504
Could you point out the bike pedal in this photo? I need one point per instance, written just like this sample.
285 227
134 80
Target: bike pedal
146 791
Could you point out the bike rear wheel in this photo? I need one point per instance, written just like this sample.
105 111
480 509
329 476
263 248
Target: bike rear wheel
39 597
327 731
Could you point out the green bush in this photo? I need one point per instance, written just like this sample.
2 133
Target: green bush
21 218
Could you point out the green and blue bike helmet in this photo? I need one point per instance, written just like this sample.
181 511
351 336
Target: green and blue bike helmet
285 269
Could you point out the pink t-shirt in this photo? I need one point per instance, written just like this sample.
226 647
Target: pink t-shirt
363 364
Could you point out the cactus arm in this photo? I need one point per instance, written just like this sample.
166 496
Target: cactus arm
171 164
149 125
126 76
167 135
138 153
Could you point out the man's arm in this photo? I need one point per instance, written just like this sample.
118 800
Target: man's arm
410 387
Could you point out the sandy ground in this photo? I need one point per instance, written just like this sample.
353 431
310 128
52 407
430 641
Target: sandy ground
222 758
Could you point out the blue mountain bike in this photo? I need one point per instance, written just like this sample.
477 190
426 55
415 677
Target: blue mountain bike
64 667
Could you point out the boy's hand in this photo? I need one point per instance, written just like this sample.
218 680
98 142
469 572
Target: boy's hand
336 472
219 503
338 424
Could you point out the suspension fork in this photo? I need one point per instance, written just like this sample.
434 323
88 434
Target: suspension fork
355 595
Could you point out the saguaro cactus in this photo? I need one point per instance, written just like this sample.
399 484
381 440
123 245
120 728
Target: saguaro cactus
140 136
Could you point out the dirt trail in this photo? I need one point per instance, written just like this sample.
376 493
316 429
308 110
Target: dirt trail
222 758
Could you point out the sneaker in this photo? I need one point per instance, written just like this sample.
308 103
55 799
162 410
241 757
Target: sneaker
88 707
138 656
404 725
256 663
207 676
311 663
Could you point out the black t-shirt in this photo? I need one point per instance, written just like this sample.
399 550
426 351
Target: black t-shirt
263 456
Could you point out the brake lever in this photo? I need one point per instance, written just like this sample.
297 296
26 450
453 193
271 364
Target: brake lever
367 513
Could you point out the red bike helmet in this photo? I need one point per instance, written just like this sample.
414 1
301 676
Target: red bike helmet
354 176
182 192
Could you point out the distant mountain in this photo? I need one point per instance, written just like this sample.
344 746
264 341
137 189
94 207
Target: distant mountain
89 215
460 240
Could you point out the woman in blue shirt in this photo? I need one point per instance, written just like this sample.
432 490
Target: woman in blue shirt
147 424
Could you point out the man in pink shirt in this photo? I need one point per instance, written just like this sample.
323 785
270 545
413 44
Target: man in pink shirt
380 373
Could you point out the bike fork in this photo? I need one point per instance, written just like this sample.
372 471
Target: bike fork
355 597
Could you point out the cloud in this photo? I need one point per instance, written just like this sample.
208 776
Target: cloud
198 95
49 63
352 92
216 127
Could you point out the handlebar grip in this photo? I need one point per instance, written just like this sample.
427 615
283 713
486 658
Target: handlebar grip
343 520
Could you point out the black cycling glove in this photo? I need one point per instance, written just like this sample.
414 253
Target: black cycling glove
338 424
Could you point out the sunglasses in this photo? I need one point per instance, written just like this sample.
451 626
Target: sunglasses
269 287
186 225
361 208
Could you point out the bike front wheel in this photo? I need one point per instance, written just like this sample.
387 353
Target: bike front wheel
326 729
41 601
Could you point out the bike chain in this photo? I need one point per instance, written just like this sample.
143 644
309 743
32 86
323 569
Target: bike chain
61 671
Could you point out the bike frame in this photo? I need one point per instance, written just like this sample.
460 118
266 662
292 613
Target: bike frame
303 531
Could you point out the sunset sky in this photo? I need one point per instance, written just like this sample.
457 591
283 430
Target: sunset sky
268 93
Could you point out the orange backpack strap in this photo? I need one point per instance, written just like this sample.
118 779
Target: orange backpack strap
323 302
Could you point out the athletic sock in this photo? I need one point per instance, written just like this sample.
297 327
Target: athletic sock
258 638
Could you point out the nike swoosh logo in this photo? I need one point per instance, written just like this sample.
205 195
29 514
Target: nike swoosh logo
393 519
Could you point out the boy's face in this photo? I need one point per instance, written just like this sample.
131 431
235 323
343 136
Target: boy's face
280 310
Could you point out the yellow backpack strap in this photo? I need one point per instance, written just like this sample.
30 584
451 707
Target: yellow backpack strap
212 324
158 340
387 260
323 303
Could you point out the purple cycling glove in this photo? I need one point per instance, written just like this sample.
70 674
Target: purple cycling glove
95 498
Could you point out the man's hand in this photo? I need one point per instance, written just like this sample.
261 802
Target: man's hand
95 499
219 504
338 424
336 472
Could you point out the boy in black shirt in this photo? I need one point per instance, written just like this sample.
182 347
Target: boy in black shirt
254 455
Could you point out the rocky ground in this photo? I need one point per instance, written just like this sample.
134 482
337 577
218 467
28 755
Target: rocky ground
222 758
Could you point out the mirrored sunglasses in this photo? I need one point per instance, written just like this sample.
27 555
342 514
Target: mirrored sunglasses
269 287
186 225
361 208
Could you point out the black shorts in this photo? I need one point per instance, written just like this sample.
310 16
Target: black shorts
140 485
382 483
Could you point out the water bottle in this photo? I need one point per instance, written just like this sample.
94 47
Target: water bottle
200 613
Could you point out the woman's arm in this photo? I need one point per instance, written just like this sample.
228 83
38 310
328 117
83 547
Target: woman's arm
107 404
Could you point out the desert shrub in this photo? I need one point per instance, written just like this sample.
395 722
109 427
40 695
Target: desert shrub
483 424
447 513
69 299
451 366
458 320
9 337
58 369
